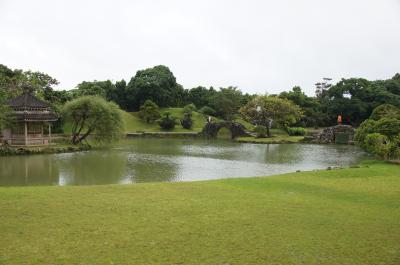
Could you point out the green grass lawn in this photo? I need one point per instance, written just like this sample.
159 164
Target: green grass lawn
134 124
347 216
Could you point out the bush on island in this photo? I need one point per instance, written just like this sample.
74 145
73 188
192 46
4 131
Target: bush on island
296 131
167 122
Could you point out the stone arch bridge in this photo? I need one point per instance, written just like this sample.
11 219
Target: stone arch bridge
211 129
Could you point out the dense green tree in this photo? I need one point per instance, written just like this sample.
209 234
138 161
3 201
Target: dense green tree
200 96
313 115
208 111
355 98
13 82
226 102
264 109
92 115
105 89
157 84
149 111
120 90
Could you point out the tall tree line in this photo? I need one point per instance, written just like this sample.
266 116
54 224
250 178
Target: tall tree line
353 98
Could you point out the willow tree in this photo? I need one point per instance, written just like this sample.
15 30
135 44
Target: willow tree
93 116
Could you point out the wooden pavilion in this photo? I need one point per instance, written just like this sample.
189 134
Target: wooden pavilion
31 115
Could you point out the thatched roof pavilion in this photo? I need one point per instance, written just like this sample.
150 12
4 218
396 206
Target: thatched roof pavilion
31 114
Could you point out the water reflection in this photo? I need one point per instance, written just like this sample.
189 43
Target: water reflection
28 170
167 160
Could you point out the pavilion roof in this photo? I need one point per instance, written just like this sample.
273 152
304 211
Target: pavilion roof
29 108
27 100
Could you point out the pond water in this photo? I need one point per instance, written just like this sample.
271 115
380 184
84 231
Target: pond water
170 160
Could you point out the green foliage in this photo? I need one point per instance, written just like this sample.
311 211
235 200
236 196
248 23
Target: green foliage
92 115
261 131
187 121
206 110
355 98
367 127
226 102
6 117
260 110
167 122
14 82
157 84
381 135
378 144
389 127
105 89
189 108
200 96
313 115
385 111
296 131
149 111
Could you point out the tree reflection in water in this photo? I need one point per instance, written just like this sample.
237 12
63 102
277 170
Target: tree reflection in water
167 160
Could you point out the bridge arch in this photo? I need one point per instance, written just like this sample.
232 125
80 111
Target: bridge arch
211 129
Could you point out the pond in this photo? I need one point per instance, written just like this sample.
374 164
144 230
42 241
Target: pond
169 160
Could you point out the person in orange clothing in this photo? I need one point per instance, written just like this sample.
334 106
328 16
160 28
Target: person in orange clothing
339 119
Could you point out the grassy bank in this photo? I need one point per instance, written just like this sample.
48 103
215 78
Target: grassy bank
348 216
134 124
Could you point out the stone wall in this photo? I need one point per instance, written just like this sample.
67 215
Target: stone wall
329 134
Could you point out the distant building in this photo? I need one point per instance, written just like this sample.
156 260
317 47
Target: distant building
31 115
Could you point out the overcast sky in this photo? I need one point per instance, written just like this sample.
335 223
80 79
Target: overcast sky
259 46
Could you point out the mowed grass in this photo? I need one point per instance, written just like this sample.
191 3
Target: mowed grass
134 124
347 216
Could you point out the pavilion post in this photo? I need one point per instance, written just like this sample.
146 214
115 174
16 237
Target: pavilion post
49 133
26 133
42 135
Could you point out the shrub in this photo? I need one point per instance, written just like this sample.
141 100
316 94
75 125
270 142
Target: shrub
385 111
167 122
298 131
187 122
389 127
206 110
367 127
378 144
149 111
189 108
261 131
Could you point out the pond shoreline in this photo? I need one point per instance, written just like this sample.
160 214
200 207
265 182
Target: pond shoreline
139 160
39 150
